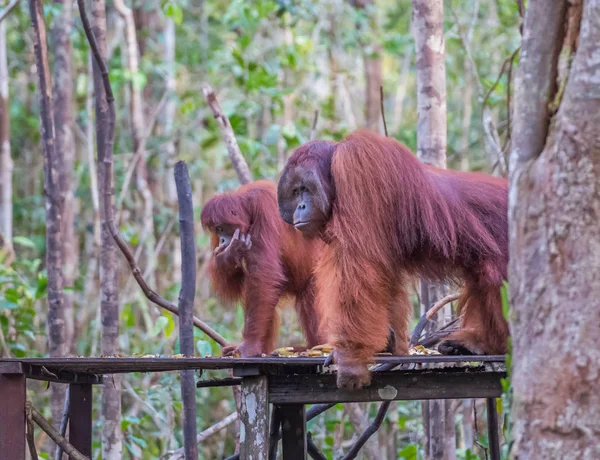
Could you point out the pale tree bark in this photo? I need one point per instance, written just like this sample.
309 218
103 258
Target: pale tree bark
112 438
6 163
53 168
428 23
65 146
169 113
554 206
136 111
373 63
65 149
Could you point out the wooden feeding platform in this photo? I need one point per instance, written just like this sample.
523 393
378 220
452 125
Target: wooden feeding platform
288 384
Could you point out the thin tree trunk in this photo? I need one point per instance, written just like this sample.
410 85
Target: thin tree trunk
6 164
65 147
65 150
112 447
401 91
170 109
374 81
428 21
554 204
53 169
136 111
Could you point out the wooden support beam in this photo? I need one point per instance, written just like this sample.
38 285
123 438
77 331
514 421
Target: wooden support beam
387 386
80 423
293 428
12 417
254 418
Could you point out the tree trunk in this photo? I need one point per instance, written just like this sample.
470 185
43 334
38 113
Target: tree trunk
6 164
53 169
169 113
109 304
65 149
555 238
65 146
428 21
136 111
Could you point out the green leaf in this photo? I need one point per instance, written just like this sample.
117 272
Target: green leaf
12 295
24 241
409 452
174 11
159 326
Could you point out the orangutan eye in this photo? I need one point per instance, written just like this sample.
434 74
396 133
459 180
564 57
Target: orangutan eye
219 229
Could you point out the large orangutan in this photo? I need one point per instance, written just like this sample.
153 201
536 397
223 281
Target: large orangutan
259 259
385 218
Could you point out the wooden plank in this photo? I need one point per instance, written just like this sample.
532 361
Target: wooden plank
387 386
293 430
12 417
58 375
254 418
12 367
126 365
80 423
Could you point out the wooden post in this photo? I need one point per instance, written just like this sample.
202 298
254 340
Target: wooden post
12 417
494 441
293 428
80 418
254 418
186 305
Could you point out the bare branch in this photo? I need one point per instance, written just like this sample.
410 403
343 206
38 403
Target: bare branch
179 454
54 435
385 130
233 149
313 131
6 11
429 314
58 454
114 231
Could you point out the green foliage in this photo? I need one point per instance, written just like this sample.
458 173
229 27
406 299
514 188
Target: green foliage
272 63
22 287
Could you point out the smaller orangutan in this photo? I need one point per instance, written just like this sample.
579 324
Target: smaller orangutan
259 259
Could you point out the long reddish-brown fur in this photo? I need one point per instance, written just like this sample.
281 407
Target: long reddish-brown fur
279 264
394 218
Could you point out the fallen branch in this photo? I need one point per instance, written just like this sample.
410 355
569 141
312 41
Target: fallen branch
414 339
179 454
30 433
108 163
233 149
51 431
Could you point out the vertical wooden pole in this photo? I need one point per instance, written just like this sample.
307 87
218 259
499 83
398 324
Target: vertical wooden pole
293 429
12 417
493 437
274 432
80 418
186 305
254 418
